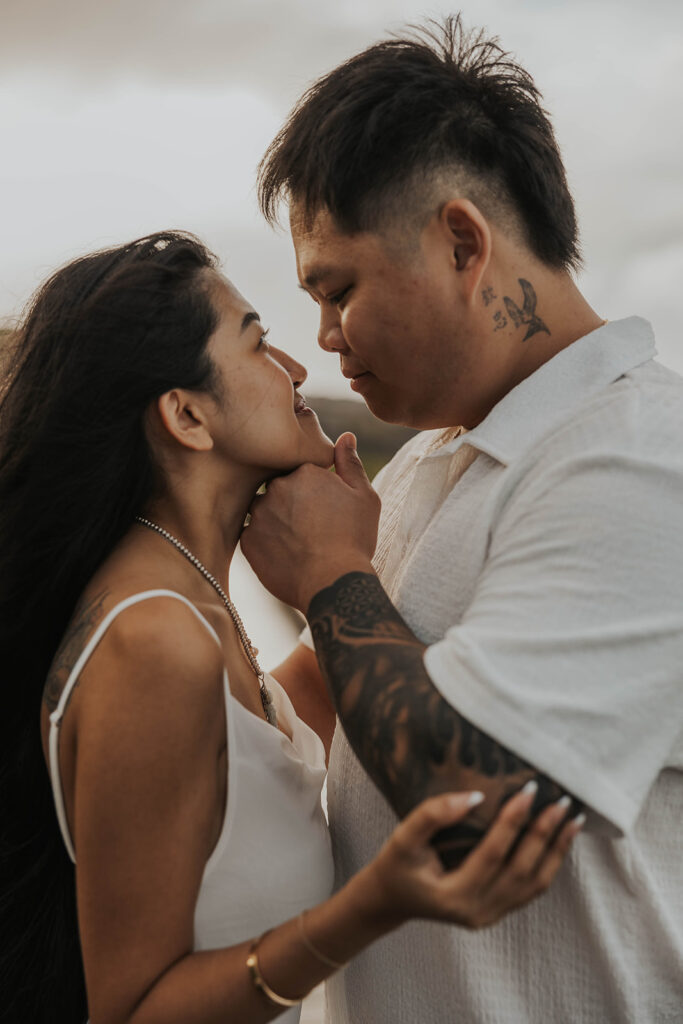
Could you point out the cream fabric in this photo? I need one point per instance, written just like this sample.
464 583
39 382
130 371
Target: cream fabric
272 858
548 583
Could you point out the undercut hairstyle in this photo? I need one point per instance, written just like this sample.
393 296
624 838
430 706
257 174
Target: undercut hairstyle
386 138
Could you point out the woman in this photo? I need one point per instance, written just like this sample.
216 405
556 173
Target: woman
143 409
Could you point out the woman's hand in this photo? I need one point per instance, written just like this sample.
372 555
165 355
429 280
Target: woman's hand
508 868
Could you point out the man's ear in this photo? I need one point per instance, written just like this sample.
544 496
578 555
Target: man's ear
470 239
183 417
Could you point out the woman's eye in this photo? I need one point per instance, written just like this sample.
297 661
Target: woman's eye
263 344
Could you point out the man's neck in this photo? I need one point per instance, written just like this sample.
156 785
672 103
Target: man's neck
567 316
544 313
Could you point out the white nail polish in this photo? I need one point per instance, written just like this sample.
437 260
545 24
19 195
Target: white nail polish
531 787
579 821
563 803
475 798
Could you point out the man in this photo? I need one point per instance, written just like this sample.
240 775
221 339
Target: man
522 617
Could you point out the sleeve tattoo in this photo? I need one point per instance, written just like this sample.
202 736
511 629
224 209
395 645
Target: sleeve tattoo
411 742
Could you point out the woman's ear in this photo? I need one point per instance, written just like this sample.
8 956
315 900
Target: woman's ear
182 416
470 238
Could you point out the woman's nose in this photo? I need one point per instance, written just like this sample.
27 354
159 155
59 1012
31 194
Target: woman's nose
296 371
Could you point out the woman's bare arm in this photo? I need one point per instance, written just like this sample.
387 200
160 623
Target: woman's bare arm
299 674
145 825
149 729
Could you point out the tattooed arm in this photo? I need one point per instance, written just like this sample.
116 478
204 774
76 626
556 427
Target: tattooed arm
310 541
410 740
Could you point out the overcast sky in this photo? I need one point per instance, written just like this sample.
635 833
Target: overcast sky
127 116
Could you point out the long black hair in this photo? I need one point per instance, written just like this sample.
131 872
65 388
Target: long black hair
103 338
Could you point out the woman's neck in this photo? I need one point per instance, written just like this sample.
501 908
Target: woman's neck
208 525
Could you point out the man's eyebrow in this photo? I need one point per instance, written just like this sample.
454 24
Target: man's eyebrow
315 277
247 319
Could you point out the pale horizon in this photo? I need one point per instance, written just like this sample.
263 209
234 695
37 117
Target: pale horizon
126 118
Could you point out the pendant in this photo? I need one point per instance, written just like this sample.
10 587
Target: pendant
268 705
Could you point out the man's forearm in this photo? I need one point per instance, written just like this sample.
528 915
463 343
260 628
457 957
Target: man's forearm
410 740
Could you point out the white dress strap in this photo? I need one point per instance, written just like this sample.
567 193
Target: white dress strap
56 716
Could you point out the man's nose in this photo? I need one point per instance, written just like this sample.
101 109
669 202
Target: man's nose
330 336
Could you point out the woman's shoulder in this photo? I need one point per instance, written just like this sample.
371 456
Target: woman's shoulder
130 640
158 622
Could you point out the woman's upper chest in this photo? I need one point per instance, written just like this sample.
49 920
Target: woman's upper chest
244 684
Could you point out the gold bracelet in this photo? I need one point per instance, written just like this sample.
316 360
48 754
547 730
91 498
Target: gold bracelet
311 948
257 977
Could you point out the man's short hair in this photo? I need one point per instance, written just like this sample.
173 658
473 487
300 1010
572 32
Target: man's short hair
413 121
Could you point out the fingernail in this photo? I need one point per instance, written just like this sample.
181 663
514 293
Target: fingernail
530 789
475 798
579 821
563 803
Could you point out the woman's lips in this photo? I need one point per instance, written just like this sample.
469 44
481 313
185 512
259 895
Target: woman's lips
300 405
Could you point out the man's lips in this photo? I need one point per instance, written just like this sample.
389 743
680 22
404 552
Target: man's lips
360 380
354 374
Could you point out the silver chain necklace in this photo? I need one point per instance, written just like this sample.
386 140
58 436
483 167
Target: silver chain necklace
249 649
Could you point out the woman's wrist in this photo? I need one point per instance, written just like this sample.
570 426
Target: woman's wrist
376 913
353 918
302 952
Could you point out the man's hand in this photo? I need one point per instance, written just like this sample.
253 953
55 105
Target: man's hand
312 527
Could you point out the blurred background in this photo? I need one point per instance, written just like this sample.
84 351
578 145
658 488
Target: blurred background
124 117
128 116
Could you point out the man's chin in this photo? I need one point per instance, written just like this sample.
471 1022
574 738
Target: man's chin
402 414
390 413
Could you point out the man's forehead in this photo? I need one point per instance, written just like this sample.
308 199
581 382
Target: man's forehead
312 228
316 245
321 247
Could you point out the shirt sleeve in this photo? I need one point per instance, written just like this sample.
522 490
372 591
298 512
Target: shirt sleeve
571 651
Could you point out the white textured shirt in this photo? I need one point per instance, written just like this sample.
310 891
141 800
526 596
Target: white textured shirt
540 558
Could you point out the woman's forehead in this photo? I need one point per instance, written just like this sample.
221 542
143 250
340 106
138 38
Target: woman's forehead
230 304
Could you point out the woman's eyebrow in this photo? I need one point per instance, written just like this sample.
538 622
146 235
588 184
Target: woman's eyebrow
247 319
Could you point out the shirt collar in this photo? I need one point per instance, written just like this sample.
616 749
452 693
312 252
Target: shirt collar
548 396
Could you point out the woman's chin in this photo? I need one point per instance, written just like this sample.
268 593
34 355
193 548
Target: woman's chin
319 449
323 456
318 453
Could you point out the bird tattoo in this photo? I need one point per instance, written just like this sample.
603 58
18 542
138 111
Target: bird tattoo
526 316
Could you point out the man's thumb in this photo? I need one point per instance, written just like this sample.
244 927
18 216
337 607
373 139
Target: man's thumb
347 463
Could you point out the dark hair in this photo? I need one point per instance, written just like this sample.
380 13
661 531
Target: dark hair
371 135
102 338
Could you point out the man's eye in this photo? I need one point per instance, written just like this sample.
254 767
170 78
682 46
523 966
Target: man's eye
336 299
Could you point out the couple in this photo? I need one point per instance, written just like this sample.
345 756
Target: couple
501 644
